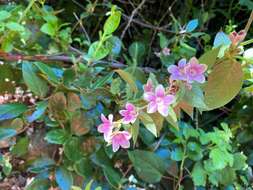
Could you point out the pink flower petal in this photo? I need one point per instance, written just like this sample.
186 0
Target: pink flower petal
130 107
115 147
152 107
149 96
163 110
169 99
159 91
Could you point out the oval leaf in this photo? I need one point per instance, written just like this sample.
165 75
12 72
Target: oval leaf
224 83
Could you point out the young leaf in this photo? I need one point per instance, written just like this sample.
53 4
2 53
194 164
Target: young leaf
112 22
63 178
192 25
147 165
98 51
9 111
224 83
34 83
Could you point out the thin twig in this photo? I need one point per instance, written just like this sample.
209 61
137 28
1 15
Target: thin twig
82 27
131 18
163 29
64 58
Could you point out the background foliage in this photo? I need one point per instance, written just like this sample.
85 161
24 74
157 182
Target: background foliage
66 62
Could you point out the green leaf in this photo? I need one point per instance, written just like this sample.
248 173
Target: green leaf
164 42
48 71
21 148
63 178
34 83
41 164
195 97
128 78
209 58
88 186
10 111
83 168
239 161
49 29
6 133
247 3
112 22
177 154
39 184
147 165
57 136
4 15
102 81
135 130
172 118
72 149
221 158
112 176
148 123
40 110
137 51
199 175
14 26
224 83
98 51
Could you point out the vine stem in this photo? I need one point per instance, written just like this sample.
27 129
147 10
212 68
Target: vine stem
181 171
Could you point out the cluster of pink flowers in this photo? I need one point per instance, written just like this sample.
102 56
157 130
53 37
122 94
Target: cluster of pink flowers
189 72
111 131
158 100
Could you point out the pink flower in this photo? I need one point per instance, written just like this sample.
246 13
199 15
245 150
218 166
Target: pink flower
149 87
166 51
129 114
159 101
106 127
178 72
195 71
120 139
236 38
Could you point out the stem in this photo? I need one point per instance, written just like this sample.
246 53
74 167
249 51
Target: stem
246 42
181 172
250 20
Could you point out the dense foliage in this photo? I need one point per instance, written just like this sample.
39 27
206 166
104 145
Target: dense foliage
137 94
